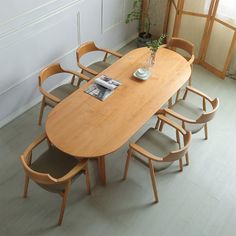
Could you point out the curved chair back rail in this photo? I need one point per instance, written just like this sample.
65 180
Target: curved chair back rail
40 178
208 116
176 155
49 71
26 158
183 44
85 48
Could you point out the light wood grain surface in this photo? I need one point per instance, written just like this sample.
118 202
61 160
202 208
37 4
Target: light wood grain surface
83 126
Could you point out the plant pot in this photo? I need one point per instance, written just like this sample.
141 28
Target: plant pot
143 38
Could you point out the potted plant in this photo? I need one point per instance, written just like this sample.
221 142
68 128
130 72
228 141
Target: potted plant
137 13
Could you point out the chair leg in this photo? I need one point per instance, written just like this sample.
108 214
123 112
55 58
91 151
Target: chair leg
26 186
177 96
127 163
190 81
152 174
87 180
41 111
73 80
170 102
180 165
206 131
63 204
187 159
161 126
102 169
79 82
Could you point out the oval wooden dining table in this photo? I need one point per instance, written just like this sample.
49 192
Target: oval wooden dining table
86 127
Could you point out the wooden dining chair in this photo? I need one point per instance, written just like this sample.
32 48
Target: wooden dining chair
55 96
53 170
98 66
192 117
185 45
157 150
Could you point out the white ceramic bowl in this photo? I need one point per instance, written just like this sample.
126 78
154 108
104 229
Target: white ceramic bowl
141 72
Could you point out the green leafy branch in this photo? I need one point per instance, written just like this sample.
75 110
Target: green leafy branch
155 44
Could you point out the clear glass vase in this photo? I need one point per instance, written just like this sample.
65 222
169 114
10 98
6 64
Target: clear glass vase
150 61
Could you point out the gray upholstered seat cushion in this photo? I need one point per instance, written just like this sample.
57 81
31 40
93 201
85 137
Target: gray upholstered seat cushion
55 163
98 67
61 92
158 144
188 110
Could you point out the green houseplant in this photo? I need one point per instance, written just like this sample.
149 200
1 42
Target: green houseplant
136 14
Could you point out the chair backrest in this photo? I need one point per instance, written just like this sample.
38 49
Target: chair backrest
178 154
85 48
41 178
207 116
49 71
182 44
37 177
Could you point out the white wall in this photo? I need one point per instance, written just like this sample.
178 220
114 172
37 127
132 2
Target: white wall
36 33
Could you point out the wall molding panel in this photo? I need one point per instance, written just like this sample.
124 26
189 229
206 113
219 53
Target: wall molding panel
112 15
48 33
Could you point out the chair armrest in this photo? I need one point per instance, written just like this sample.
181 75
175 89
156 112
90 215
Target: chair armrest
144 152
80 166
171 123
49 95
84 77
178 116
91 71
35 143
111 52
201 94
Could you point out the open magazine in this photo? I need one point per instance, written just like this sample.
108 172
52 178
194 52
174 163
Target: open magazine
102 87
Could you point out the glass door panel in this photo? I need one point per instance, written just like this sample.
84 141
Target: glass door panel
192 29
219 45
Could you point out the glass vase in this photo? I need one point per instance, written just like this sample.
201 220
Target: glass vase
150 61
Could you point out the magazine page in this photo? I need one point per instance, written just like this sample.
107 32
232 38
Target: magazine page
98 91
102 87
107 82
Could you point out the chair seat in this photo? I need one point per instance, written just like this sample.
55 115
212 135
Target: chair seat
190 111
61 92
55 163
158 144
98 67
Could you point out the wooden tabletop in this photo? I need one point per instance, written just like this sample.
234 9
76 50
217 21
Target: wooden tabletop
84 126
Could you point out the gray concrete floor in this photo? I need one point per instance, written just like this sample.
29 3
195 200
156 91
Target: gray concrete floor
199 201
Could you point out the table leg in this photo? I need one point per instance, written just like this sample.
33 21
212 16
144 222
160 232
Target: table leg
102 169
